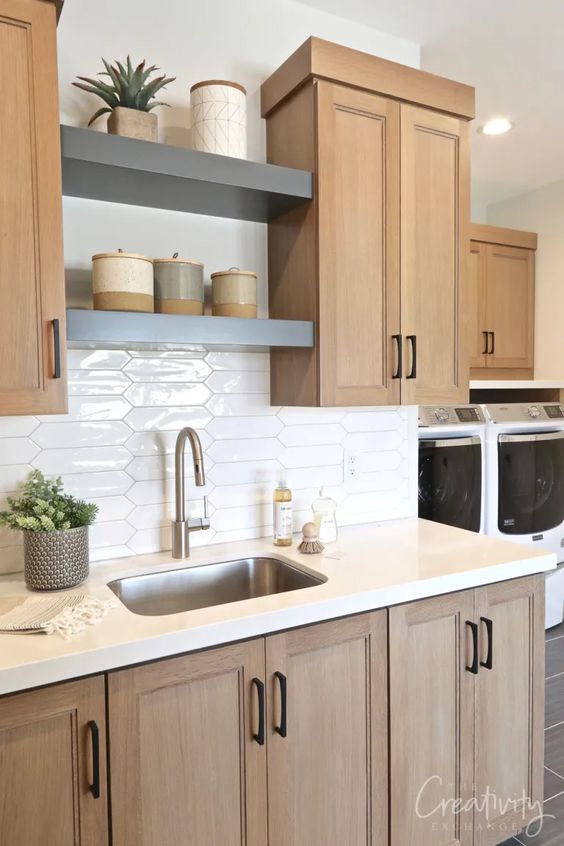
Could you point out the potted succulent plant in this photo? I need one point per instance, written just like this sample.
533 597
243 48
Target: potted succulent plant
129 96
55 529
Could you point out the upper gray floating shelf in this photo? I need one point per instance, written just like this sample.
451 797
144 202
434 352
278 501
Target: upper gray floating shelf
134 330
98 166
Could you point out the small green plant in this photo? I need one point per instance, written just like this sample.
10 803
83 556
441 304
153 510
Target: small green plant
128 87
43 507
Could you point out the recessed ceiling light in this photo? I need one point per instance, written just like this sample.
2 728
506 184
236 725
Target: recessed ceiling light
497 126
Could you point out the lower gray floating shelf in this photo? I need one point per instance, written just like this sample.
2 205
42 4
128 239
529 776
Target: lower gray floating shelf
135 330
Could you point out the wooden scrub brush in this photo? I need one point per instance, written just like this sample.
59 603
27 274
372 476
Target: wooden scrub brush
310 543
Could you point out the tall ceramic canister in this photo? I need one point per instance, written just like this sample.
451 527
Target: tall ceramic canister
122 282
234 293
219 117
179 285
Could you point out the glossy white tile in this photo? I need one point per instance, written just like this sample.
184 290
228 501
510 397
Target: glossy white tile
159 369
105 483
328 433
96 359
112 508
163 419
159 443
372 421
372 441
12 476
232 496
243 382
316 416
238 361
105 553
240 405
11 559
54 435
244 450
90 408
17 450
166 394
312 456
116 533
267 426
56 462
97 382
309 477
17 427
245 472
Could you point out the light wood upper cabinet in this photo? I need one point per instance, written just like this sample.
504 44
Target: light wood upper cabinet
48 766
327 768
502 283
435 157
377 258
32 360
510 707
431 722
183 753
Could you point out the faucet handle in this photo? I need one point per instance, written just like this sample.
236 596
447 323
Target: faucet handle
205 518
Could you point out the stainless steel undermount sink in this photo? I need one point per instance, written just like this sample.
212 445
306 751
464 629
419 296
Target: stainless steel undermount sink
205 585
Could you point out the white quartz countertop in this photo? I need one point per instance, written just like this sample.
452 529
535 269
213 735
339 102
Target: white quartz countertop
372 566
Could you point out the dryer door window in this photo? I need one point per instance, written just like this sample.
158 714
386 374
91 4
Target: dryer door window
531 482
450 481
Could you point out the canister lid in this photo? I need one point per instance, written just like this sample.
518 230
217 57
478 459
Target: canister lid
121 254
218 82
178 260
233 271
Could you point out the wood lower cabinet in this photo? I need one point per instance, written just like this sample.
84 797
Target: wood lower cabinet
48 757
32 296
377 259
509 722
185 764
467 715
502 285
327 765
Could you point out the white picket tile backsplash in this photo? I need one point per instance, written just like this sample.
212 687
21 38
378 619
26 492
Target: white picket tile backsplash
116 448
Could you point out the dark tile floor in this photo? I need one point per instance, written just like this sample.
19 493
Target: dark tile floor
552 833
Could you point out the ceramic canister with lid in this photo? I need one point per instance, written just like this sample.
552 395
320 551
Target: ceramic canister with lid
122 282
179 285
219 117
234 293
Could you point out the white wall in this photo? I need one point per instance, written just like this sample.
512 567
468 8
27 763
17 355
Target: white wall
542 211
114 446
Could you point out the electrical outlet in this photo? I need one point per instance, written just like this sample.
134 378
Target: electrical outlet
351 465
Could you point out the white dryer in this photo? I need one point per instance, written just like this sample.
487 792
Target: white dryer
451 484
525 484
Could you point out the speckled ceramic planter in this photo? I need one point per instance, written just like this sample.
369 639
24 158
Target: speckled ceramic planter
56 560
133 124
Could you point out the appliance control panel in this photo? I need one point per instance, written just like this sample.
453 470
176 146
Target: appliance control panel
450 415
534 412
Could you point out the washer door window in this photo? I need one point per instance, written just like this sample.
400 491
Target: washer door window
450 481
531 482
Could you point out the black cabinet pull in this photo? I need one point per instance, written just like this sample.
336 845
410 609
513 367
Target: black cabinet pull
95 739
473 668
56 349
413 341
486 342
492 351
282 729
399 341
259 736
488 663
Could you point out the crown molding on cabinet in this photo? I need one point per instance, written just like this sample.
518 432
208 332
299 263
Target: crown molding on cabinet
505 237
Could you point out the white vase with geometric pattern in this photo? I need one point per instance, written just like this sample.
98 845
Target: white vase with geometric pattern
219 117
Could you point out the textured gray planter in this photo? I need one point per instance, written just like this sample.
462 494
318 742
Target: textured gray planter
56 560
133 123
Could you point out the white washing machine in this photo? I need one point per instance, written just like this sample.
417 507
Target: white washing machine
525 484
451 465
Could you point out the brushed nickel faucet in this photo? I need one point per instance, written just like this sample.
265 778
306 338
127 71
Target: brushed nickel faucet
181 527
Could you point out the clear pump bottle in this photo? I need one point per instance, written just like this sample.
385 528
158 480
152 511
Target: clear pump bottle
324 508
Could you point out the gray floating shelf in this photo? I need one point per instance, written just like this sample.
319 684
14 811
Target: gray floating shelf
98 166
135 330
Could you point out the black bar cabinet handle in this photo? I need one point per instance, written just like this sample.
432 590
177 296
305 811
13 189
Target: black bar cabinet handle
492 351
486 342
95 739
399 341
259 736
413 341
56 349
282 729
473 668
488 663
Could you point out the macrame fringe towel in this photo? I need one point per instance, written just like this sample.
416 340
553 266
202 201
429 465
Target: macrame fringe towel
63 615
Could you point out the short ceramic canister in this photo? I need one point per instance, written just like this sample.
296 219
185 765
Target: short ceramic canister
179 286
219 117
122 282
234 293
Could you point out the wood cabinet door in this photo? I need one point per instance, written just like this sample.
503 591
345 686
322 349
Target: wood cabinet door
185 765
327 745
435 158
32 292
358 250
510 305
47 766
479 342
431 722
509 708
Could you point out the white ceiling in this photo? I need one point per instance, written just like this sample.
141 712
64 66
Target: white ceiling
512 51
